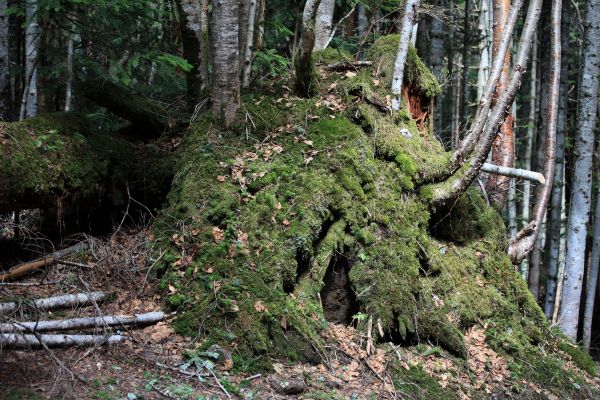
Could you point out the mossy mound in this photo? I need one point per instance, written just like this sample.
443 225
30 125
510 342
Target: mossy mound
259 214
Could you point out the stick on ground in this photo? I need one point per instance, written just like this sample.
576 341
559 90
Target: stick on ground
50 303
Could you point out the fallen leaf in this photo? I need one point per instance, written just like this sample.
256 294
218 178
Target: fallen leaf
217 234
350 74
221 178
258 306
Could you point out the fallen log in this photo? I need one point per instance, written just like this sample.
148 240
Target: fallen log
51 303
83 323
18 340
347 65
149 118
27 267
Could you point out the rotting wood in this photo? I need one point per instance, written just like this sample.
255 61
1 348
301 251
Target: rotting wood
18 340
513 172
27 267
51 303
83 323
346 65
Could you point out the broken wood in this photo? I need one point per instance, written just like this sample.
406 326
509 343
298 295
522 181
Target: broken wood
347 65
17 340
83 323
27 267
513 172
51 303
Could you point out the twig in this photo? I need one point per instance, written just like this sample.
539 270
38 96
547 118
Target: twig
219 383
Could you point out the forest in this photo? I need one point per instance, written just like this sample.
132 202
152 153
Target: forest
311 199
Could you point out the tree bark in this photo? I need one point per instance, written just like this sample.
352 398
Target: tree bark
52 303
4 63
32 40
363 20
249 49
590 293
305 84
323 24
225 94
581 190
83 323
195 45
555 224
408 20
20 341
70 77
464 98
436 59
503 149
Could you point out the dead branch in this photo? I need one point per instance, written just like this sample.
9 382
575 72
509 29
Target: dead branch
23 269
52 303
83 323
347 65
17 340
513 172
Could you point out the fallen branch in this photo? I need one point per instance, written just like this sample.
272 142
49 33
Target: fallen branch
17 340
23 269
346 65
83 323
513 172
52 303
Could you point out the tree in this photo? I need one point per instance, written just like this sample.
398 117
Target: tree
225 93
324 23
4 62
305 83
503 149
581 188
406 29
29 103
592 282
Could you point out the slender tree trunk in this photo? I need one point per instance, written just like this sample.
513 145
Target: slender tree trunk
503 150
244 12
69 89
249 50
324 23
555 224
306 84
562 252
4 63
225 94
581 190
512 210
592 279
410 15
363 21
260 37
464 103
436 59
483 70
31 55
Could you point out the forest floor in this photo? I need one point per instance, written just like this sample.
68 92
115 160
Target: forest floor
156 363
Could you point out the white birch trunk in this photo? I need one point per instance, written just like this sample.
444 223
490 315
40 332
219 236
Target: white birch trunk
51 303
483 70
4 63
21 341
581 195
82 323
249 50
225 93
512 210
592 279
69 89
363 20
32 36
410 14
324 23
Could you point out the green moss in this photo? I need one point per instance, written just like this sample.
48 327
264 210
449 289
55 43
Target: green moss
331 55
579 356
415 382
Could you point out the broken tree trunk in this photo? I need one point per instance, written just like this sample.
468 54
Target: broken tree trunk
51 303
17 340
83 323
27 267
149 119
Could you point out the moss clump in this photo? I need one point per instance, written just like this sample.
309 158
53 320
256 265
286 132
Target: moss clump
415 382
582 359
331 55
264 218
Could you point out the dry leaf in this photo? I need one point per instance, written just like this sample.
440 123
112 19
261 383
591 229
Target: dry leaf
258 306
217 234
350 74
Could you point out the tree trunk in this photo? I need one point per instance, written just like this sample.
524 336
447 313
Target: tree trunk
556 224
436 59
32 40
195 45
20 341
503 150
581 190
83 323
249 49
225 94
363 21
70 77
305 84
53 303
464 98
323 24
408 21
4 63
592 284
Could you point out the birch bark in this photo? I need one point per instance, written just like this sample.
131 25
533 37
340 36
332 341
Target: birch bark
324 24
